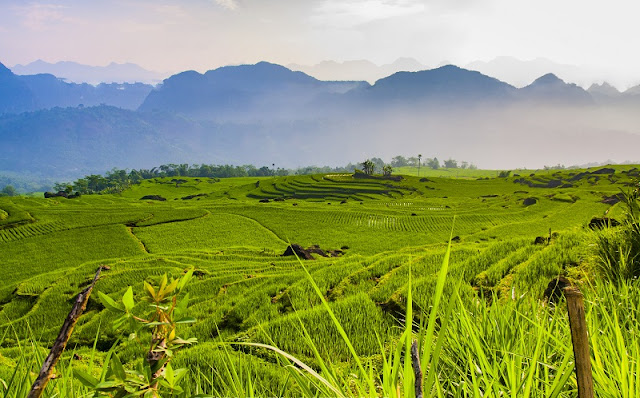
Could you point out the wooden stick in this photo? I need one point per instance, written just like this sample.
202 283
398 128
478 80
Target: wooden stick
580 340
61 341
417 371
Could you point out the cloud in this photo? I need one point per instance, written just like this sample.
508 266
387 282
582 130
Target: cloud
40 17
347 14
228 4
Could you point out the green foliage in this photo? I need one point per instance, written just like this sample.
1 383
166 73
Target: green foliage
155 377
8 190
617 249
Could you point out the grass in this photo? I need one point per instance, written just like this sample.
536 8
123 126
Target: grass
244 291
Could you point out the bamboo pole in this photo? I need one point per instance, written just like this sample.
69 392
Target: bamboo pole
61 341
580 340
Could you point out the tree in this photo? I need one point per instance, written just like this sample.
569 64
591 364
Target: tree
387 170
178 181
419 158
9 190
451 164
378 165
399 161
81 185
433 163
368 166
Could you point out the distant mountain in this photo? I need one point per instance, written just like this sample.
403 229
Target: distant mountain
263 90
64 141
43 91
444 85
79 73
50 91
266 113
604 93
358 69
549 89
603 89
15 95
522 73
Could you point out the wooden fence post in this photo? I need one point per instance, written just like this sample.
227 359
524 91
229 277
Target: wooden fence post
61 341
580 340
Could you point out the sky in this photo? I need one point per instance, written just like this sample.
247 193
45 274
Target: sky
172 36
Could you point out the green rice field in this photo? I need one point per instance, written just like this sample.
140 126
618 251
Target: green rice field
388 239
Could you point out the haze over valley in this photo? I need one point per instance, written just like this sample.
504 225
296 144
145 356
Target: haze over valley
266 113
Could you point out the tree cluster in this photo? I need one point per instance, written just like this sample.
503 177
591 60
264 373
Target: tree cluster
432 163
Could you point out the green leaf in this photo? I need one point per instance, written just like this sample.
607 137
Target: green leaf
153 324
191 340
181 307
186 320
127 299
171 287
108 385
178 374
109 303
117 368
85 378
168 375
118 322
185 279
150 290
163 283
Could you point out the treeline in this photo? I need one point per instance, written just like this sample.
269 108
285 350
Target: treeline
433 163
118 180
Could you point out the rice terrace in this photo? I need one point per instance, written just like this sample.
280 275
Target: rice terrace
462 266
229 199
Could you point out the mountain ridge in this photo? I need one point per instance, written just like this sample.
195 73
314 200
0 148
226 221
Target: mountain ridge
80 73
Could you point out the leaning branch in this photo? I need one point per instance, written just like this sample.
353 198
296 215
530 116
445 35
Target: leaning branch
61 341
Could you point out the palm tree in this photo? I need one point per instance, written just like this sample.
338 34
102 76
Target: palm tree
419 157
368 166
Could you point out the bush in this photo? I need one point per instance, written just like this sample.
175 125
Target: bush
617 249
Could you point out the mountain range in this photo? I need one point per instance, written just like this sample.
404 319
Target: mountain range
44 91
78 73
266 113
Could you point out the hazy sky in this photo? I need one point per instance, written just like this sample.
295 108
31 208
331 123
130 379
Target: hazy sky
171 36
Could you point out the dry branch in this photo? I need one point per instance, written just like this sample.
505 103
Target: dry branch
417 371
61 341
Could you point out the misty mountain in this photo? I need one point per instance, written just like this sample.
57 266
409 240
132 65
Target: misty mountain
522 73
265 113
50 91
64 141
245 92
549 89
444 86
79 73
603 91
357 69
44 91
15 95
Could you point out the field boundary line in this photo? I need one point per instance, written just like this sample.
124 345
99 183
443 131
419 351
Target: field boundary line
260 224
138 240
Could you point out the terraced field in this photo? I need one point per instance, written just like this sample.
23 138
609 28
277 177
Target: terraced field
233 232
